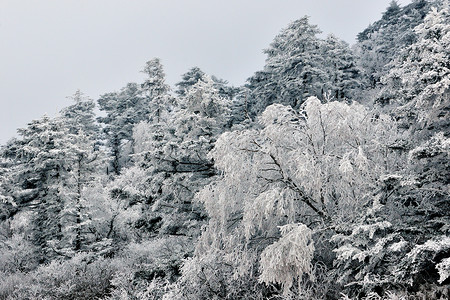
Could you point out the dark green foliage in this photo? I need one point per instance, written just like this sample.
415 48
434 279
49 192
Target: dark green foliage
382 42
189 79
123 109
300 65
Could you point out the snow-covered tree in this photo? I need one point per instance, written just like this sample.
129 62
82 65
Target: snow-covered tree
80 116
40 171
149 101
281 189
7 203
317 168
376 45
419 80
123 110
293 70
155 195
401 243
343 74
298 65
50 167
195 74
380 43
173 153
156 91
85 165
189 79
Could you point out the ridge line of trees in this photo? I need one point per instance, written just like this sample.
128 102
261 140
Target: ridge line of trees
326 176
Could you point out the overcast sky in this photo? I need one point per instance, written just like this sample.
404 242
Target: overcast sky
51 48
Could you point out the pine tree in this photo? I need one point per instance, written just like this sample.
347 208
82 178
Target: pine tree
173 154
401 242
123 110
156 91
81 116
195 74
41 157
84 160
419 81
382 42
7 205
189 79
293 70
343 74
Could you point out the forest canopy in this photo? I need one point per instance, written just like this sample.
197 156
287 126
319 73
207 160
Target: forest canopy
325 176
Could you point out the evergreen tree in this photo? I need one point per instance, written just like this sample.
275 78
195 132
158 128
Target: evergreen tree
300 65
400 245
171 165
343 74
189 79
49 168
40 171
195 74
133 104
173 154
123 110
293 70
419 81
383 41
84 160
7 205
155 92
81 116
84 170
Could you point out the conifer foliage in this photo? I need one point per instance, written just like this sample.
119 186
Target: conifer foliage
324 177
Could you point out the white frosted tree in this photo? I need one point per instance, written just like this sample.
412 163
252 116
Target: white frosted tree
317 167
84 166
419 81
377 45
39 173
51 164
401 243
204 102
173 153
189 79
80 116
299 65
151 202
343 74
123 110
383 41
6 199
156 92
288 258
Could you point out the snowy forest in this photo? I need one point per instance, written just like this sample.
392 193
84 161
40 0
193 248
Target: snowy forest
325 176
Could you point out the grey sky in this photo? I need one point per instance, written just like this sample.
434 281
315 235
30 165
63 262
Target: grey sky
51 48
